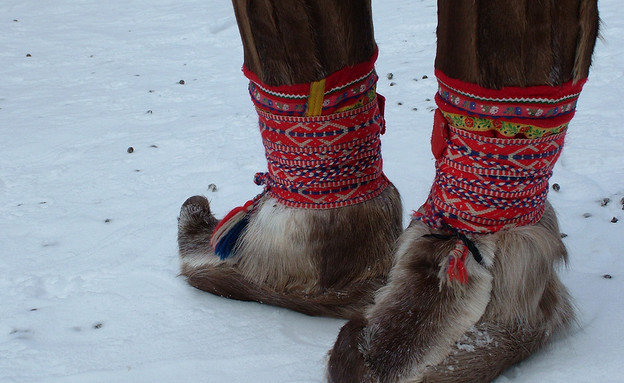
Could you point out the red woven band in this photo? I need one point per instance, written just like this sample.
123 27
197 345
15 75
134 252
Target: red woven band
331 158
323 162
485 184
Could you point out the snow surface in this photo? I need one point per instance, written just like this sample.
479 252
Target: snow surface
88 265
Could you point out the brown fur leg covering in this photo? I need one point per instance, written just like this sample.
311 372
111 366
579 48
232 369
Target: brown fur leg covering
318 262
417 316
484 352
529 304
346 362
423 330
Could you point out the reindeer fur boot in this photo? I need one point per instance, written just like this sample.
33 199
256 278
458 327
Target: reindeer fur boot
428 326
474 287
319 239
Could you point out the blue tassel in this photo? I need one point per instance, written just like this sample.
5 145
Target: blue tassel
226 244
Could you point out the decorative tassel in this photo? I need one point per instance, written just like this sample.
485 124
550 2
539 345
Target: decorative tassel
454 266
226 242
230 228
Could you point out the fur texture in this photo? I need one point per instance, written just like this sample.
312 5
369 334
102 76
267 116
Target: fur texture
528 305
287 42
319 262
423 330
516 43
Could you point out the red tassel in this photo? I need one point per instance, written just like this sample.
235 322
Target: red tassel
456 268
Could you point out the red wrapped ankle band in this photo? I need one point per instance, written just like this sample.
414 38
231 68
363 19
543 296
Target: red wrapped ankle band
485 183
323 162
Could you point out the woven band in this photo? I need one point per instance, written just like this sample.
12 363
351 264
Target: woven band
485 183
349 88
323 162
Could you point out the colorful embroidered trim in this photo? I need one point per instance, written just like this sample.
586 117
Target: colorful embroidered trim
531 112
322 145
502 127
485 184
349 88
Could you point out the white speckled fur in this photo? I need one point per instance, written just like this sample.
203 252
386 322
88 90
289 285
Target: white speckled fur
274 249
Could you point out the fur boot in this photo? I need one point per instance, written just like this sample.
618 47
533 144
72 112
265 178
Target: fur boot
318 262
444 316
425 328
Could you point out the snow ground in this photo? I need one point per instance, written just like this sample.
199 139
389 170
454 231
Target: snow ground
88 266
